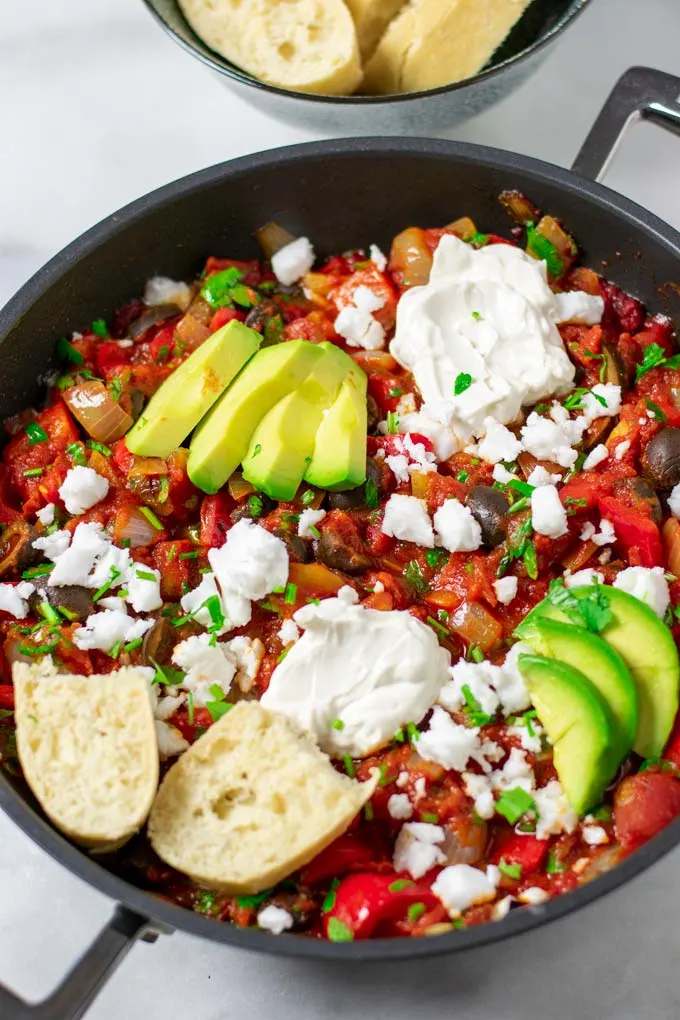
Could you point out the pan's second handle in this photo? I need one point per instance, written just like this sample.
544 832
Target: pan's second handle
640 94
73 997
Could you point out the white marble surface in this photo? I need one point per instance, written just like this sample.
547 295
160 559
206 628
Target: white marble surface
98 107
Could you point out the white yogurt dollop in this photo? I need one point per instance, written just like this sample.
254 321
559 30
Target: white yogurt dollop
488 314
357 675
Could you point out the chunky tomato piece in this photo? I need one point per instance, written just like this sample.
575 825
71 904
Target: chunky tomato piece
6 696
636 533
224 315
644 805
178 573
253 271
375 281
110 359
370 905
347 853
526 851
215 519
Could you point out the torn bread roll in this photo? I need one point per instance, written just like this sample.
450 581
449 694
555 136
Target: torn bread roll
87 747
303 45
432 43
371 18
250 802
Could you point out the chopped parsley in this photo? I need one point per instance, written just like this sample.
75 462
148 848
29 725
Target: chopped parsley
257 450
414 576
100 447
462 476
33 473
115 387
510 870
338 931
67 352
76 452
659 415
396 392
436 558
371 494
255 505
36 433
655 357
554 865
514 803
430 817
415 911
338 725
588 609
400 884
307 497
462 383
350 768
542 248
100 328
219 706
217 289
331 896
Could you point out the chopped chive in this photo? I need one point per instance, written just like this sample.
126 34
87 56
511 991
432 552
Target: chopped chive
100 447
190 705
290 594
400 884
329 901
100 328
115 651
39 571
338 931
307 497
430 817
462 476
145 575
68 614
371 494
512 804
415 911
33 473
49 613
147 512
440 628
350 768
193 555
36 433
392 423
510 870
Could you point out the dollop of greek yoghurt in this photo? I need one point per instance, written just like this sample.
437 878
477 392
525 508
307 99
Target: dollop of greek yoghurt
481 339
357 675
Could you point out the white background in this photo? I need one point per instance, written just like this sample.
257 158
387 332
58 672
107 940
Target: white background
97 107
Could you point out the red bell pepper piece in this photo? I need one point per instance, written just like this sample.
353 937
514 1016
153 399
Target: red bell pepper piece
638 534
367 904
122 458
224 315
672 752
6 696
215 519
645 804
347 853
110 358
527 851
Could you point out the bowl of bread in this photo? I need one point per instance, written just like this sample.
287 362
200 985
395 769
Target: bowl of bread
363 66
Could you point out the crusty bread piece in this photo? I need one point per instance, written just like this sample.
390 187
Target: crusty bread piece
303 45
371 18
436 42
250 802
87 747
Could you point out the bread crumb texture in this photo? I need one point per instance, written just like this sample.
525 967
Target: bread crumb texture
303 45
87 747
431 43
250 802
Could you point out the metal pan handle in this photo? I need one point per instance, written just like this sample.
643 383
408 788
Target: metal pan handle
79 988
640 94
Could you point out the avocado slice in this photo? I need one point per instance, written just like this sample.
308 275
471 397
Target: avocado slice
180 402
602 665
647 647
220 442
339 458
282 445
577 721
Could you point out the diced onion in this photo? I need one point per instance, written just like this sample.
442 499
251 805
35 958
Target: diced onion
411 256
370 360
94 408
477 626
191 331
135 527
239 488
670 536
464 228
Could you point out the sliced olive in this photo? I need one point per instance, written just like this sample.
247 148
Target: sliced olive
489 507
299 551
75 600
266 319
374 415
645 492
16 547
336 551
159 642
254 507
661 459
351 499
152 317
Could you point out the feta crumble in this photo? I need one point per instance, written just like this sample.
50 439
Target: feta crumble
161 290
534 896
46 514
205 665
597 455
275 919
506 589
594 835
456 528
309 519
451 745
499 443
416 850
554 812
377 257
674 501
406 518
540 476
288 632
399 806
106 629
251 563
461 886
143 588
548 515
13 598
647 584
586 576
290 263
75 563
356 322
81 489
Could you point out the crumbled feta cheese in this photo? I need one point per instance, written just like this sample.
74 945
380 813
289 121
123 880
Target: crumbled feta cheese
143 588
46 515
506 589
308 520
606 535
516 772
111 567
502 908
586 576
104 630
479 789
502 475
399 806
530 741
587 531
74 565
54 545
422 459
548 515
419 788
275 919
81 489
593 408
406 404
169 739
647 584
356 323
402 779
540 476
534 896
290 263
449 744
461 886
499 443
577 306
426 422
288 632
247 654
416 850
552 438
161 290
398 465
479 678
621 449
594 835
596 456
457 530
554 812
206 665
193 603
251 563
509 683
13 598
406 518
377 257
112 602
674 500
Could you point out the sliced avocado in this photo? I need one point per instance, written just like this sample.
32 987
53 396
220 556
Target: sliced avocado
282 445
647 647
577 721
602 665
339 458
180 402
220 442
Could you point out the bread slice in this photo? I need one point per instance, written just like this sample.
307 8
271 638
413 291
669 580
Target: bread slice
371 18
303 45
250 802
435 42
87 747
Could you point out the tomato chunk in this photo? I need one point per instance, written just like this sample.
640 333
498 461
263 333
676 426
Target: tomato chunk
638 535
526 851
367 904
644 805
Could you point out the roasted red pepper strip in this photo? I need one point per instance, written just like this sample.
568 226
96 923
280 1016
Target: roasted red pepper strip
347 853
6 696
638 534
526 851
215 519
368 904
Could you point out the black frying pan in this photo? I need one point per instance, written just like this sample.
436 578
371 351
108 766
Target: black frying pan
342 194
